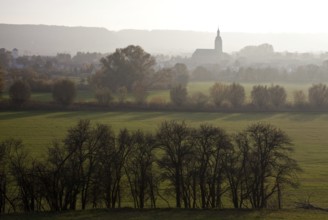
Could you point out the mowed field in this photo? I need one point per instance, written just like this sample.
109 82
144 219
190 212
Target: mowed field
308 132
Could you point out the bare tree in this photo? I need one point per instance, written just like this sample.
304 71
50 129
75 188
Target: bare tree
139 169
174 139
114 160
236 168
7 200
211 143
22 168
266 152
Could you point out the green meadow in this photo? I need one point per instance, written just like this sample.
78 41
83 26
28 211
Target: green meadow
308 132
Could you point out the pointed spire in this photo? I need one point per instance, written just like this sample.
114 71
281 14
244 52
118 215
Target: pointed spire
218 32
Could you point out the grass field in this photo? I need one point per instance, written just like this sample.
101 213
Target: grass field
307 130
172 214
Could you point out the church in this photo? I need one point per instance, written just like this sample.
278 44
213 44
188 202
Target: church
209 56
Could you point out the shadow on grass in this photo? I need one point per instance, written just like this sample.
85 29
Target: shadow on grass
17 115
249 116
306 116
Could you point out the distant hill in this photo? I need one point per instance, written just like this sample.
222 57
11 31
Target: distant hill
49 40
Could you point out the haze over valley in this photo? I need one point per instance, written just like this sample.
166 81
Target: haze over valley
163 109
50 40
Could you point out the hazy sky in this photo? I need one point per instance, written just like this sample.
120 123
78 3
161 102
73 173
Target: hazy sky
306 16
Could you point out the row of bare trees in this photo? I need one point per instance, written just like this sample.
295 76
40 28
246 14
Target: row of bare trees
195 167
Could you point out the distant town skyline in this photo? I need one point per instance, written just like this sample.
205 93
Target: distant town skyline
254 16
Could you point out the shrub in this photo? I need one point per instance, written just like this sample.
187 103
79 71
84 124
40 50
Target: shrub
122 93
219 93
41 85
139 93
277 95
181 74
236 95
178 95
260 96
318 95
157 100
299 98
1 81
19 92
199 99
104 96
64 92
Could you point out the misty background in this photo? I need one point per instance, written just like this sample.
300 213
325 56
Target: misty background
50 40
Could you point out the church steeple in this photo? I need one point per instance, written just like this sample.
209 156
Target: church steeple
218 42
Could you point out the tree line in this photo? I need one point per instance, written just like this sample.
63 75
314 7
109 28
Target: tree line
131 70
228 97
192 167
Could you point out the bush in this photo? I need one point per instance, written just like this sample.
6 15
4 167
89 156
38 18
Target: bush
178 95
318 95
64 92
260 96
200 73
199 99
1 81
181 74
19 92
157 100
139 93
104 96
277 95
236 95
122 93
41 85
219 92
299 98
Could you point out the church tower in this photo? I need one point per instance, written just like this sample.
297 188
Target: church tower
218 42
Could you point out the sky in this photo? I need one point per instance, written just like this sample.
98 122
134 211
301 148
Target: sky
254 16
